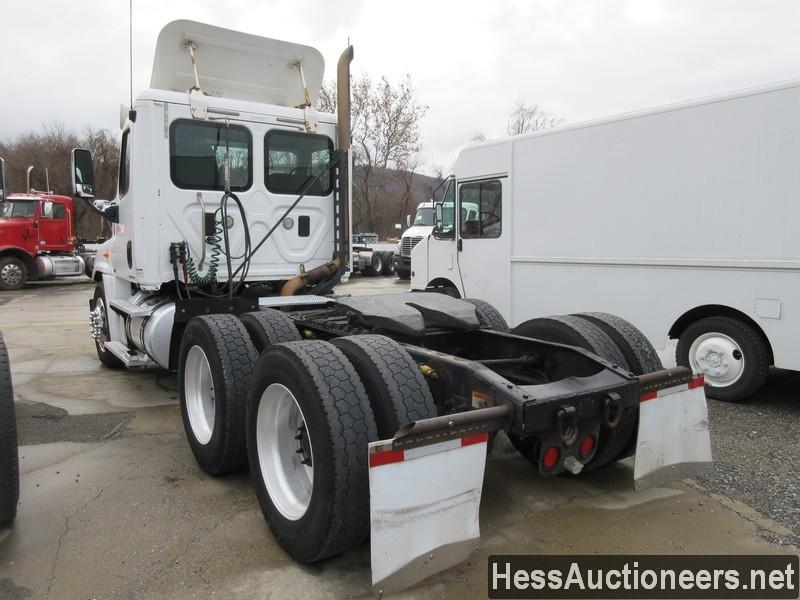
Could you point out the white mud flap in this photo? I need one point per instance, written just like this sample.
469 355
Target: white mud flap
673 441
424 506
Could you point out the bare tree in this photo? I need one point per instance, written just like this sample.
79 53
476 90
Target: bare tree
525 118
386 142
49 152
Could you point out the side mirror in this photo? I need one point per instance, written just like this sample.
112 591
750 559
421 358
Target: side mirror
438 216
2 179
398 226
408 220
82 173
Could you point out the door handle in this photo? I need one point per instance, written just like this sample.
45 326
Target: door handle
460 244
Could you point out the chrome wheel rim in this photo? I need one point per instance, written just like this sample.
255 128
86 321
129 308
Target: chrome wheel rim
11 274
285 455
198 386
719 357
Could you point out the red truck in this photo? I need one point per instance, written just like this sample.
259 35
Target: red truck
37 237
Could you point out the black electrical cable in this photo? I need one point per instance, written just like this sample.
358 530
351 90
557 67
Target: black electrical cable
305 187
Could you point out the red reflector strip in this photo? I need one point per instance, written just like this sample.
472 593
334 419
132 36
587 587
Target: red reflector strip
376 459
648 396
697 382
475 439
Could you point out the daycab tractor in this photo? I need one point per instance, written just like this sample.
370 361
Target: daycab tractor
358 416
37 237
417 229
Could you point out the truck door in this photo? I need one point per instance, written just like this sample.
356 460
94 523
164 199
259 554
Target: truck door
54 227
483 236
441 253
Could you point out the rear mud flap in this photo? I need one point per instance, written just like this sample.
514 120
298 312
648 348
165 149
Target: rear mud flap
424 505
673 441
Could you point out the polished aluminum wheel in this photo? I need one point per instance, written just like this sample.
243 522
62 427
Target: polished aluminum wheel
12 275
284 450
198 387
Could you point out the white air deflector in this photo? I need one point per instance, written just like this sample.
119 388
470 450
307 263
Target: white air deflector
236 65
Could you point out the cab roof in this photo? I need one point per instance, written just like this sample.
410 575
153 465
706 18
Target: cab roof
237 65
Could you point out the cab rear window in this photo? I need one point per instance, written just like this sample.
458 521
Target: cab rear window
197 155
293 159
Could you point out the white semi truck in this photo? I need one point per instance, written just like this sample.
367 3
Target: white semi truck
683 220
358 416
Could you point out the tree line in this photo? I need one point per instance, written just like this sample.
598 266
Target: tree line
386 144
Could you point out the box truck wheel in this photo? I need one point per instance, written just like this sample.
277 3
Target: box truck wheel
732 355
488 316
13 273
268 327
397 391
99 324
215 365
636 348
575 331
375 266
9 460
308 426
388 263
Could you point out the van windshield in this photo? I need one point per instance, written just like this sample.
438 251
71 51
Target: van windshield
10 209
424 216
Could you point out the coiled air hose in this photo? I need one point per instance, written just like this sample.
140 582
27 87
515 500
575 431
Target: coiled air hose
215 241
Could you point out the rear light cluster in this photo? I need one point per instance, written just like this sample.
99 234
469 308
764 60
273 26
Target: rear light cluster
552 455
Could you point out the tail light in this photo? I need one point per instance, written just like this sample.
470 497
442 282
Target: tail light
550 458
586 447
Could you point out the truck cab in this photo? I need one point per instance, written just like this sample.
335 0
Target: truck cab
37 239
418 229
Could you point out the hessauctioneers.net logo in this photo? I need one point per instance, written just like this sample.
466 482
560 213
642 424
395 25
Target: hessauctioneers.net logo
626 576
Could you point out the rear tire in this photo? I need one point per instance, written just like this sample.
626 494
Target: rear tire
711 346
322 509
375 265
488 316
403 274
9 459
396 389
638 351
388 263
268 327
215 366
101 313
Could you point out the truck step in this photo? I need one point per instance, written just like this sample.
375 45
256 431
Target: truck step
130 358
128 308
273 301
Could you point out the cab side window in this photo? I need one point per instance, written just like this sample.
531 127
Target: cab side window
481 209
125 163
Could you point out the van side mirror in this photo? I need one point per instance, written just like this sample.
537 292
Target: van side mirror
2 179
82 173
408 220
398 226
438 216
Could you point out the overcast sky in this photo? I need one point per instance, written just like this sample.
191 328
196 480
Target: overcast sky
470 61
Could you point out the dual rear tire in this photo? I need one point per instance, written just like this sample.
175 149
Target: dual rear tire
9 459
301 414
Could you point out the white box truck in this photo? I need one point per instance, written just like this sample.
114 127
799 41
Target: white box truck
683 219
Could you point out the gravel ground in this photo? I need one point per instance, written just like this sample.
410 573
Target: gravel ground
756 448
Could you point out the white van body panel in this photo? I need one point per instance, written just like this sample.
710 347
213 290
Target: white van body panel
648 216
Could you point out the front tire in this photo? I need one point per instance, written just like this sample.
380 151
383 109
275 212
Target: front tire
308 427
388 263
13 273
99 318
9 459
732 355
215 366
403 274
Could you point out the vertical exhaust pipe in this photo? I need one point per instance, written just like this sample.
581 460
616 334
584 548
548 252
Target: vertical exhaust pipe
343 140
28 188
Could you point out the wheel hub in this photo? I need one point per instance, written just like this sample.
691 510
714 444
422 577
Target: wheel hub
718 357
11 275
198 388
97 322
285 451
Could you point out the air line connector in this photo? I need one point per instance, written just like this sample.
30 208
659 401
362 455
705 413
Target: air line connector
177 253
